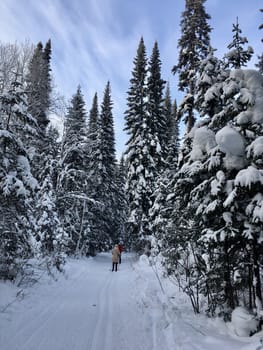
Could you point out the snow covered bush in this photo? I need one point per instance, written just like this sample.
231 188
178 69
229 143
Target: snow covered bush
243 322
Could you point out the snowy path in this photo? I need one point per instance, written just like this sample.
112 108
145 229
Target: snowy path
96 309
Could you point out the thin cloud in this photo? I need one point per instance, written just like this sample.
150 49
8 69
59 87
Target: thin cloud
94 41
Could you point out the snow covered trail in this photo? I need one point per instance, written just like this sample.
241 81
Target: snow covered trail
94 308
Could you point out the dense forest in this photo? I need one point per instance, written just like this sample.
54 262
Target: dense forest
195 199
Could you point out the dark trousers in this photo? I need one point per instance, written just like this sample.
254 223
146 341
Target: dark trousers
114 266
120 259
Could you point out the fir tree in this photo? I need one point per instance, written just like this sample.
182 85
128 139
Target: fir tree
38 92
38 84
106 177
93 168
122 205
140 154
217 189
50 234
173 133
237 57
17 185
194 45
92 148
71 186
158 124
46 77
162 207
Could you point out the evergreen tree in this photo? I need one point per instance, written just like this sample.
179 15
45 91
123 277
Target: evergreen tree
122 205
38 84
163 207
157 122
107 137
71 186
102 175
216 189
106 177
46 77
194 45
140 154
259 65
17 185
92 148
96 240
173 133
237 57
93 126
38 92
50 234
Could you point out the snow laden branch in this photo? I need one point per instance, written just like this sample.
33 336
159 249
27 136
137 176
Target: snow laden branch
81 196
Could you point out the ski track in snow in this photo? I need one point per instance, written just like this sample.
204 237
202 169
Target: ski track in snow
93 308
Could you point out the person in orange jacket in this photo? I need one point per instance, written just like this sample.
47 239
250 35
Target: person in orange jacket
120 246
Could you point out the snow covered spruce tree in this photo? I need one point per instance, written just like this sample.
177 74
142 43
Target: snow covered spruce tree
222 182
237 57
105 172
92 170
145 126
158 123
71 183
172 132
122 204
193 45
17 185
137 154
50 232
39 84
41 152
162 207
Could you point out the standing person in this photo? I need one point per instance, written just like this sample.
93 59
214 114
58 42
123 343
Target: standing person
120 246
115 257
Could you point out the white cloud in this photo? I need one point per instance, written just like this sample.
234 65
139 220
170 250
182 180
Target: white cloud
94 41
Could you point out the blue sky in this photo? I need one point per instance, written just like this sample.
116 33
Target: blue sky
94 41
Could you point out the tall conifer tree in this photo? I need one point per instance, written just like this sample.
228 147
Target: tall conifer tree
71 186
39 84
193 47
106 188
139 160
237 57
17 184
157 122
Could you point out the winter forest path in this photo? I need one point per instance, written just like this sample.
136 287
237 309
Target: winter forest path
93 308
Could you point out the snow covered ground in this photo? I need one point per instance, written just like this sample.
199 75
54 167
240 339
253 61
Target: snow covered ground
92 308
